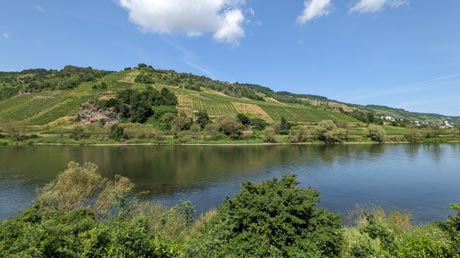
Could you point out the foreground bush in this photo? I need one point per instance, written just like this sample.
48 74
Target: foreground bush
381 234
274 218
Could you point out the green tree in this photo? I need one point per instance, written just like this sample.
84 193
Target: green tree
275 218
327 125
244 119
141 112
202 118
181 123
284 126
117 133
327 132
231 127
269 135
258 123
376 133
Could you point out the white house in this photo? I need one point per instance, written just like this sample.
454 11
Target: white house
447 125
388 118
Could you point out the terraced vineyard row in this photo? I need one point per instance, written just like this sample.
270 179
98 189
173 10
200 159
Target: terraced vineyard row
213 107
303 114
29 106
69 108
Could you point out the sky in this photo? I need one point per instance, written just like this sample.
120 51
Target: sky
399 53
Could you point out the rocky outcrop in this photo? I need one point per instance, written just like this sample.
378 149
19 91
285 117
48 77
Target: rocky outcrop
89 115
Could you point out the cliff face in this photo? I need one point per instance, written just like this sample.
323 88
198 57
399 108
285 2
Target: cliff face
88 116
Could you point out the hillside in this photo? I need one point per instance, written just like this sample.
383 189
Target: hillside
147 105
40 97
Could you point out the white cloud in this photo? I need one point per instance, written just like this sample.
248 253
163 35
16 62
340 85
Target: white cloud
372 6
6 35
222 18
314 9
40 8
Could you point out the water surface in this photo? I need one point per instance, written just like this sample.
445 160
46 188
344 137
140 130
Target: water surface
422 179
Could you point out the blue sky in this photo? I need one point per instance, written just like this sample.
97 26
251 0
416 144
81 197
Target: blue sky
400 53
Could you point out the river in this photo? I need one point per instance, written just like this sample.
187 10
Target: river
421 179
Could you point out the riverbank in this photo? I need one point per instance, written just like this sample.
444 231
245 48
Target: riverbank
219 143
169 140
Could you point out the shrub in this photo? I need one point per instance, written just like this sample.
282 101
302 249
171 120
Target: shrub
414 136
274 218
117 133
202 118
376 133
327 132
454 228
422 245
181 123
258 123
269 135
77 133
244 119
327 125
298 135
284 126
231 127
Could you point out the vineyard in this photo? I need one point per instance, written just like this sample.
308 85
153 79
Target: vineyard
213 107
303 114
40 109
47 107
218 105
66 108
194 103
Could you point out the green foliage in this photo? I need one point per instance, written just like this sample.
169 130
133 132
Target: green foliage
99 86
167 120
244 119
454 228
159 111
77 133
36 80
366 117
117 133
376 229
328 132
376 133
284 126
139 106
181 123
414 136
423 245
230 126
82 214
143 77
258 123
202 119
16 131
274 218
269 135
140 112
298 135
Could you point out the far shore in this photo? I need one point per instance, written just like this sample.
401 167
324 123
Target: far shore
203 144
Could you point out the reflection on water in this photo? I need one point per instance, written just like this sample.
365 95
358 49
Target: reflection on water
423 179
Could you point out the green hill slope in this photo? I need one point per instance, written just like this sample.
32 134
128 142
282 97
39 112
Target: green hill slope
46 102
38 105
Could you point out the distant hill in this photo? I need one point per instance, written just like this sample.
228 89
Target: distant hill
40 97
